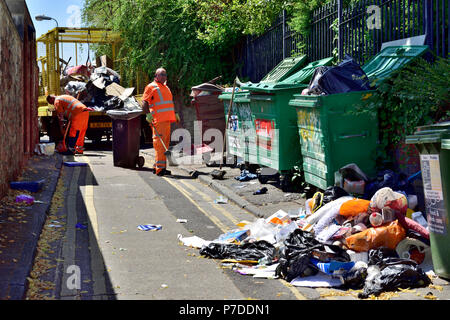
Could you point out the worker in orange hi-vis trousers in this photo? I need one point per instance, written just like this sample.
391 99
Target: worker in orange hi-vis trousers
157 103
78 115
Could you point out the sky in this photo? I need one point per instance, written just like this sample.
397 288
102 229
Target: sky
67 13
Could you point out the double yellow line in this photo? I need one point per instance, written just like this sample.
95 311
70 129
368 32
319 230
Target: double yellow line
218 223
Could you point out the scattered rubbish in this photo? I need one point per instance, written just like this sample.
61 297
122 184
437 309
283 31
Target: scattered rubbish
387 272
45 149
418 217
75 164
279 218
81 226
24 198
258 271
316 281
55 226
164 286
233 236
182 221
246 176
194 241
376 219
150 227
336 240
218 174
253 251
261 191
221 200
32 186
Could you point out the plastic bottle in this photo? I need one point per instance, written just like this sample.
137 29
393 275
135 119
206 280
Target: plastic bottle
418 217
376 219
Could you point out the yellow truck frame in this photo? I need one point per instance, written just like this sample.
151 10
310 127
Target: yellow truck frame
49 82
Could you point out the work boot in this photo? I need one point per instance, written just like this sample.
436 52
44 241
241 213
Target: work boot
79 150
69 152
164 172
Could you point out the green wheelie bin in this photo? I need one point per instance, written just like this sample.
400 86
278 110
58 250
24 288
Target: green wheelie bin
240 130
277 144
335 130
433 144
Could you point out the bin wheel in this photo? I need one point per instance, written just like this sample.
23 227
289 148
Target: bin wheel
140 162
262 179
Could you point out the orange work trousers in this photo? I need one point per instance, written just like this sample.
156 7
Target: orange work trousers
79 126
163 129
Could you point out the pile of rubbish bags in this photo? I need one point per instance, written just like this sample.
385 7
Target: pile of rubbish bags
348 76
98 88
337 240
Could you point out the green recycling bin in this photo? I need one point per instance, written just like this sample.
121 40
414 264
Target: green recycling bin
277 144
332 134
240 130
433 144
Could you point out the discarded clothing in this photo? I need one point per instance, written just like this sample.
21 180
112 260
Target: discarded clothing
246 176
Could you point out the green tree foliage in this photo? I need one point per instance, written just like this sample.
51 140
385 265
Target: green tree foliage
193 39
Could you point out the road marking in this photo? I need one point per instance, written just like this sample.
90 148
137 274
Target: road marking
89 198
293 289
209 200
215 220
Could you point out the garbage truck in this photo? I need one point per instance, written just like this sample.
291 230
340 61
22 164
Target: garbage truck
81 79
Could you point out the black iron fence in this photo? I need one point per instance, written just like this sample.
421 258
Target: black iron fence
358 30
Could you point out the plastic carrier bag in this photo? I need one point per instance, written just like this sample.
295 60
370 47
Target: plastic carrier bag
388 236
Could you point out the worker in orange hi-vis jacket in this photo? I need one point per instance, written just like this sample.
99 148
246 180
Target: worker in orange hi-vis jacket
78 115
157 103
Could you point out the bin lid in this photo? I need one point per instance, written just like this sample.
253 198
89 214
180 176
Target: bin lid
208 87
299 79
284 69
430 134
391 59
434 128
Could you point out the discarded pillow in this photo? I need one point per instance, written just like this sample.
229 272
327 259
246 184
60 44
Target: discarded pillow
387 236
353 208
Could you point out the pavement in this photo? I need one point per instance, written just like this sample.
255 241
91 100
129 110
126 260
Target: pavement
21 226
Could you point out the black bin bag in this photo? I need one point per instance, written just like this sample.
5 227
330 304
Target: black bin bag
345 77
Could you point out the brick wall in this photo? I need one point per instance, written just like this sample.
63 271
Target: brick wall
18 100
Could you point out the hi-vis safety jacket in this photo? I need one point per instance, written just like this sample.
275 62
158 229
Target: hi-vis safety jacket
160 100
69 106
